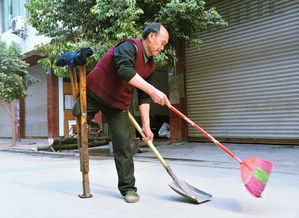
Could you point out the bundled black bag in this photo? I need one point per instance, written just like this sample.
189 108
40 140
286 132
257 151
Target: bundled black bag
73 59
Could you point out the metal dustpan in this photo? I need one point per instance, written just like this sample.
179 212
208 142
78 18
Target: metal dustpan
181 187
189 192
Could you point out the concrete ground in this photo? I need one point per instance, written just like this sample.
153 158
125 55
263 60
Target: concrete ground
45 184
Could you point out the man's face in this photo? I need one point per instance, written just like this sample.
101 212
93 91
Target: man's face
157 41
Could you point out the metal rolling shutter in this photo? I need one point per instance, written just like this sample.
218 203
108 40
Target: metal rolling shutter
243 82
36 122
5 124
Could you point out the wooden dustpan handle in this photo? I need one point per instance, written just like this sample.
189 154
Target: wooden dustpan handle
149 142
153 148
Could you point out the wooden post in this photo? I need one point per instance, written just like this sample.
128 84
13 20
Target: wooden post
76 93
81 125
84 136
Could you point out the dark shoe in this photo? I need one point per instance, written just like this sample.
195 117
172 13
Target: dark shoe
131 196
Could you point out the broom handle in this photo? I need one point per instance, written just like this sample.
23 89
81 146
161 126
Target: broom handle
205 133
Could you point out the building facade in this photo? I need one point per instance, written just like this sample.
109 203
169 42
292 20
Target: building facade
241 85
46 111
34 115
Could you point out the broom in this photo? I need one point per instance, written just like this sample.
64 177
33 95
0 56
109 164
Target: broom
255 171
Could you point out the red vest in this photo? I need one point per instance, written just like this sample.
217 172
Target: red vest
106 84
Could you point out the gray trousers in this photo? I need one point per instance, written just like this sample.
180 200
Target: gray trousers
119 127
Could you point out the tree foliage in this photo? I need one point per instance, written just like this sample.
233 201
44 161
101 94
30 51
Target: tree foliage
14 78
102 23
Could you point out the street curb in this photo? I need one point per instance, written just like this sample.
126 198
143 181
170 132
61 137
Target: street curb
34 152
76 155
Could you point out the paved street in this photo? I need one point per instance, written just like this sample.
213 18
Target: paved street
39 185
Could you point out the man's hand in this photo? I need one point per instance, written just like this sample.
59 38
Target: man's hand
148 133
156 95
159 97
146 127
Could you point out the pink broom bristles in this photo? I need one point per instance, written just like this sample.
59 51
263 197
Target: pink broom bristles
255 173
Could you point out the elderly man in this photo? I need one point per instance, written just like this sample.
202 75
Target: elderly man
124 67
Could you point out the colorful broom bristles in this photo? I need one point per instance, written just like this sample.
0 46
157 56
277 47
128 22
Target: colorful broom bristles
255 173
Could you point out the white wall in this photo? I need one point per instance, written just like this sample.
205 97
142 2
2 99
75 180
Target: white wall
28 43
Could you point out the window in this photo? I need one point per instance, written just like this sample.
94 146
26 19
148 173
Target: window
9 10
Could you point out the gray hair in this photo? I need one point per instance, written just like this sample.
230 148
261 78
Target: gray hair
151 28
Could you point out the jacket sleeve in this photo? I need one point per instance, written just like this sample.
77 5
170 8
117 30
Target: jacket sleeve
125 54
144 98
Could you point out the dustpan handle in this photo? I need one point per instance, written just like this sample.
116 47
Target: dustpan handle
149 142
153 148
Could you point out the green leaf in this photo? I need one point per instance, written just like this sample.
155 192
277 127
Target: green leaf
13 73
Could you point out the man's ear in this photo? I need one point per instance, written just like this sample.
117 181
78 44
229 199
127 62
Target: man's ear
151 35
